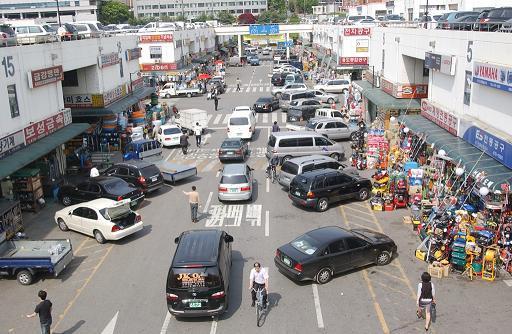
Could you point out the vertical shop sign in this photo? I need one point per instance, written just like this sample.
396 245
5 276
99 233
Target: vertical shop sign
12 143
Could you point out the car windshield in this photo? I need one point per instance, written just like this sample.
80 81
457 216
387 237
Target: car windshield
172 131
305 244
271 141
311 125
239 121
263 100
230 144
150 171
290 168
233 179
114 185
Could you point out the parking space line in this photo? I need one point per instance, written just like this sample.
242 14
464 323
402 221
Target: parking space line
267 187
363 226
267 223
167 320
213 329
318 309
170 153
359 211
388 287
82 245
93 246
376 305
388 274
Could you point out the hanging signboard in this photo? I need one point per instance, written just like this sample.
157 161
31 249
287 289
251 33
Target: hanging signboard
264 29
356 31
158 67
440 63
41 129
132 54
353 61
156 38
494 76
12 143
439 116
494 146
45 76
114 95
108 59
404 91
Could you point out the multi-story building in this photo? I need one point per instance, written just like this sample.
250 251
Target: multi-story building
194 8
76 10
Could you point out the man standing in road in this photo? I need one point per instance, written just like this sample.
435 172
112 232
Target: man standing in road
44 309
193 199
275 127
238 84
216 101
197 132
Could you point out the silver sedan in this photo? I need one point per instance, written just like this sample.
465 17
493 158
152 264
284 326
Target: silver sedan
326 97
235 183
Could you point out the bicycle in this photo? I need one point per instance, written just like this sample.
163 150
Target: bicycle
260 310
271 173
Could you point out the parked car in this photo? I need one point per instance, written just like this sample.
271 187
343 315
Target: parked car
7 35
464 22
327 113
302 110
495 19
321 188
297 166
198 281
266 104
334 86
169 135
66 31
481 19
295 87
104 219
292 78
266 51
351 19
233 149
100 187
236 183
31 33
392 18
254 61
278 79
142 174
333 128
507 26
218 86
447 20
320 254
324 97
220 79
288 97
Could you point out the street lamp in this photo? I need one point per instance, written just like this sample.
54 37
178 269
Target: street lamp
58 12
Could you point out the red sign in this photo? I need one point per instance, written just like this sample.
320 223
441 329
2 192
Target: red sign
158 67
356 31
46 76
441 117
156 38
353 61
404 91
43 128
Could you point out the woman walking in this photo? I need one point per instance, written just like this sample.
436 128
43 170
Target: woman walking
426 298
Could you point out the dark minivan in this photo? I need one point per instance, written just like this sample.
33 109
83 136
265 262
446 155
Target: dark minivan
198 280
143 175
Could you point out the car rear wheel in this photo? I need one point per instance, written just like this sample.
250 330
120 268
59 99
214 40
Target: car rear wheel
24 277
330 100
363 194
344 91
99 237
189 95
323 276
278 95
383 258
335 156
323 204
353 136
167 96
66 200
62 225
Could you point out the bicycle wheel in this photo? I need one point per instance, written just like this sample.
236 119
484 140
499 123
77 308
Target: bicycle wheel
258 314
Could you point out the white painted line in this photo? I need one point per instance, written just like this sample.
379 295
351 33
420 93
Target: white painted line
111 326
213 329
218 174
274 117
319 318
210 166
267 186
209 118
268 89
166 323
254 89
248 89
258 116
205 138
228 89
267 228
217 119
265 118
268 132
205 209
261 89
171 153
226 119
224 128
283 117
508 282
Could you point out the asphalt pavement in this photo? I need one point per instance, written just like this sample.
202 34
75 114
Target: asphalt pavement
119 287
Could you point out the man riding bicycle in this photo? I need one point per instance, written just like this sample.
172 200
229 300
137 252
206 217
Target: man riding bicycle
272 164
258 279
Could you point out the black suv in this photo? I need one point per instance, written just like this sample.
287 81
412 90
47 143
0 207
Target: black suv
143 175
494 19
318 189
278 79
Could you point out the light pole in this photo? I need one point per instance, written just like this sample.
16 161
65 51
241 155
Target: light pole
58 12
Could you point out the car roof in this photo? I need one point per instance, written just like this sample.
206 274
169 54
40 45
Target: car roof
326 119
99 203
197 246
285 134
310 158
264 98
134 163
104 179
169 126
328 234
232 139
234 169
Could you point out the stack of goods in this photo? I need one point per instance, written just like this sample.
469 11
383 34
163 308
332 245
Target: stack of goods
378 147
110 138
10 218
28 189
138 118
415 180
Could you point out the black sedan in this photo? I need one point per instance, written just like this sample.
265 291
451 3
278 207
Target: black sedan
278 79
266 104
100 187
319 254
233 149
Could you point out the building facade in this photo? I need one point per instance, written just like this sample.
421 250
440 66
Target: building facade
76 10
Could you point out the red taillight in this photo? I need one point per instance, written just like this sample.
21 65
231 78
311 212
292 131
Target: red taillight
119 198
298 267
138 219
171 297
218 295
223 189
245 188
142 179
115 228
310 194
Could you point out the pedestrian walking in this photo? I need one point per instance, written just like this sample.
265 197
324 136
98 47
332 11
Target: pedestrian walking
184 143
44 309
193 200
216 101
238 84
275 127
198 130
426 298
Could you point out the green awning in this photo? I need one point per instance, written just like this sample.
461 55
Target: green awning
116 107
473 159
25 156
363 85
385 101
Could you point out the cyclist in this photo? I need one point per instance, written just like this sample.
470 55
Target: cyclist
272 163
258 279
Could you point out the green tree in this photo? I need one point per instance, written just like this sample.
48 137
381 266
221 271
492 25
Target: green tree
294 19
113 12
203 18
277 5
271 16
307 4
226 17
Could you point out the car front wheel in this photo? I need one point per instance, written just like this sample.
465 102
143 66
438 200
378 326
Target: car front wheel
335 156
322 205
383 258
62 225
330 101
363 194
66 200
24 277
323 276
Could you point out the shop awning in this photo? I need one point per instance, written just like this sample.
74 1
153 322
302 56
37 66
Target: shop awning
20 159
385 101
362 85
116 107
473 159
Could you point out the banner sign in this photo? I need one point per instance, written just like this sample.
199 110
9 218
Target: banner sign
167 38
158 67
83 101
109 59
114 95
132 54
264 29
442 118
353 61
47 126
494 76
404 91
497 148
45 76
440 63
356 31
12 143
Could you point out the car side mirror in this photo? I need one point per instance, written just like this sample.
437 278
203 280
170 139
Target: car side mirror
176 240
70 213
228 238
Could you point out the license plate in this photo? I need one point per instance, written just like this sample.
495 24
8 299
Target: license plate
239 134
230 153
287 262
154 178
194 304
134 202
233 190
297 193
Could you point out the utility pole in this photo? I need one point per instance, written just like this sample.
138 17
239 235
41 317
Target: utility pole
58 12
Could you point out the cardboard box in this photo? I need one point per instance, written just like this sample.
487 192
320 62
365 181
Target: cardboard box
435 271
407 220
446 269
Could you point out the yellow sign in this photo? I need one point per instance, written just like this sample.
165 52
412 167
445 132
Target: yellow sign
97 100
362 45
270 38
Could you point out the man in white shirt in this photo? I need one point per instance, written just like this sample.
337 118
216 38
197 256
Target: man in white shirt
197 132
258 278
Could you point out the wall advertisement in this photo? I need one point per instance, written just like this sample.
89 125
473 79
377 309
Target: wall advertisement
492 75
439 116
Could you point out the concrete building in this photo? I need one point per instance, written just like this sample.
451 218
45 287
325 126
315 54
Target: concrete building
194 8
77 10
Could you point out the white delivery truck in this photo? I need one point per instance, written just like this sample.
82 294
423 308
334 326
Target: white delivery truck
188 118
170 89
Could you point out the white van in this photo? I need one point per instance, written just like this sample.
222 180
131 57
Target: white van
31 33
242 124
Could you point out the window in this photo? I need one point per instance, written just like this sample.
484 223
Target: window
94 188
240 11
307 141
148 6
336 247
155 52
318 183
122 171
341 125
83 186
70 79
21 30
77 3
79 212
337 114
35 29
332 181
321 141
308 168
155 6
344 179
330 125
90 214
233 179
13 101
201 4
291 142
354 243
163 6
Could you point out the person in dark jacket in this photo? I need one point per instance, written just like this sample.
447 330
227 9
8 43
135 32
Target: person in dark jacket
44 310
425 297
216 101
184 143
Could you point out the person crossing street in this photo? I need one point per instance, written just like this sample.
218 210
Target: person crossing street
238 82
216 101
197 132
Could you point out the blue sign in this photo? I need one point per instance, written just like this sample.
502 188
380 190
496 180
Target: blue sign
264 29
496 147
495 76
285 44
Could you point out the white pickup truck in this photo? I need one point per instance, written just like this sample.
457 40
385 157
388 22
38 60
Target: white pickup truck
170 89
188 118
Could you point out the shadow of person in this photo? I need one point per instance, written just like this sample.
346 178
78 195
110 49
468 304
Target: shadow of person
72 329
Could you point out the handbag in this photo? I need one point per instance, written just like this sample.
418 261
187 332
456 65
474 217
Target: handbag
433 312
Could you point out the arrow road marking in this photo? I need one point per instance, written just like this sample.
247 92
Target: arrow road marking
111 325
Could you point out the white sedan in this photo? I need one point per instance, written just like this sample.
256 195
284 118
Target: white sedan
334 86
104 219
169 135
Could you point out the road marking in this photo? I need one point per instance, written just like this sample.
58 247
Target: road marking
388 274
205 138
217 119
265 118
359 211
248 89
170 153
267 223
508 282
207 204
166 323
226 119
319 318
79 290
268 89
254 89
210 166
218 174
261 89
274 117
111 325
210 116
378 310
228 89
283 117
213 329
268 185
258 116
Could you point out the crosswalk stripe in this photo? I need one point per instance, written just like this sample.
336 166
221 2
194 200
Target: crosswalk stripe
265 118
226 119
274 117
217 119
248 89
268 89
254 89
283 117
258 116
261 89
200 164
210 116
228 89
